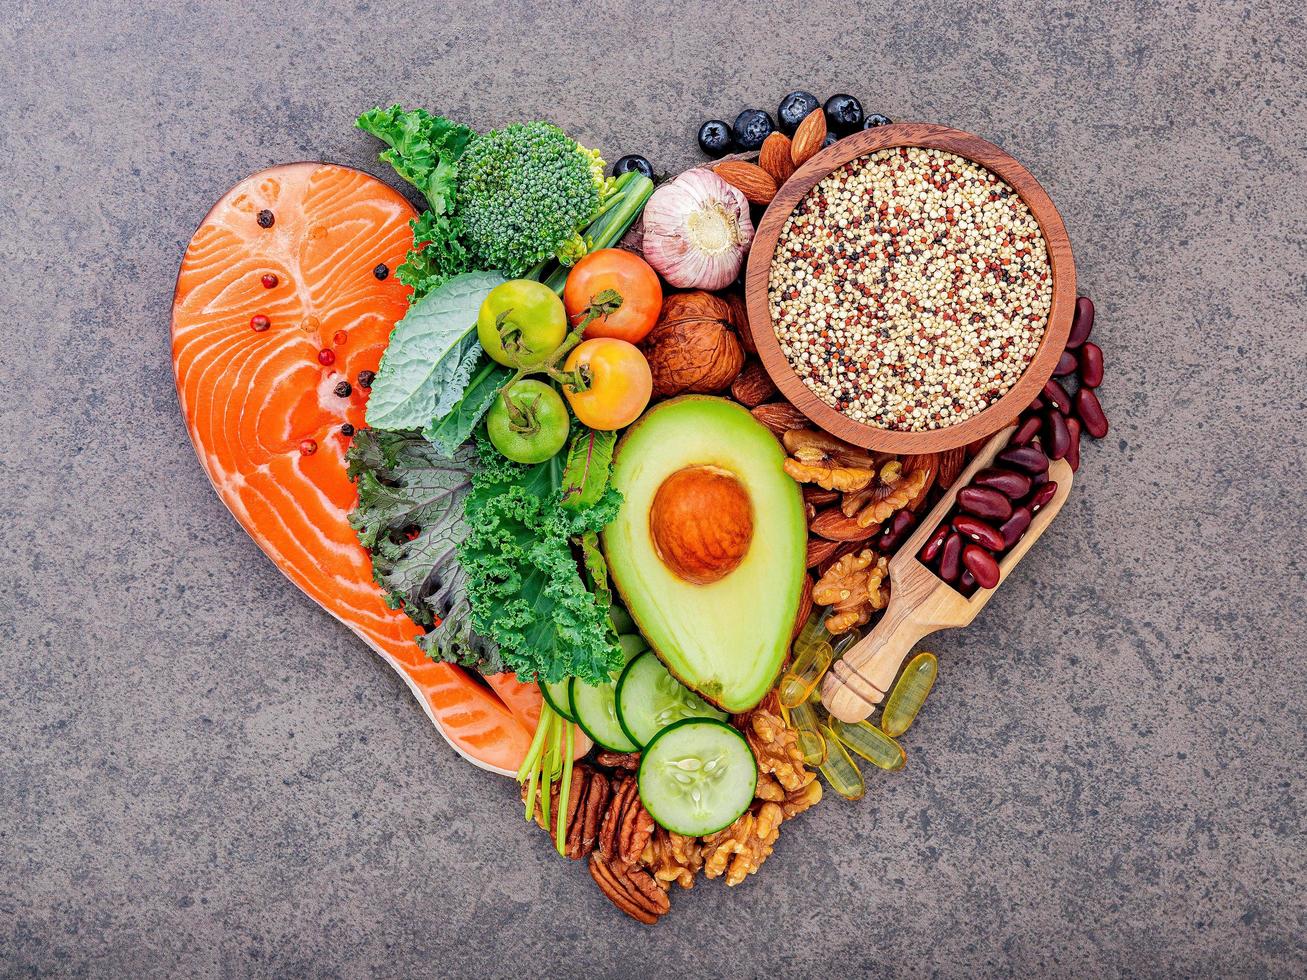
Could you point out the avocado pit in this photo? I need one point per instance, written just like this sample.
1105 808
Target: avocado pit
701 523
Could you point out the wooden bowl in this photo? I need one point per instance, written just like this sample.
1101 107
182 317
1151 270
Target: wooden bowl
1037 372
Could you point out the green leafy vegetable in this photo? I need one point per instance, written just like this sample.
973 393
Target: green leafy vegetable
410 517
585 475
526 591
424 150
455 427
431 355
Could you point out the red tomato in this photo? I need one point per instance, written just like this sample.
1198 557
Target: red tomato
631 277
619 383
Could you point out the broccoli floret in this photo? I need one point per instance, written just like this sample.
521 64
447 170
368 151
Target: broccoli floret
525 194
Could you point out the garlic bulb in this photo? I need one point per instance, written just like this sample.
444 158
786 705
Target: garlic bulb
697 231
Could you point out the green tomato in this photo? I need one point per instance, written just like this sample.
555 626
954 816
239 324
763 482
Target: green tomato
521 322
530 423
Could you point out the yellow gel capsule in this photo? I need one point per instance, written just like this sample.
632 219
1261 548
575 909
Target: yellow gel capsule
844 641
809 666
814 631
811 741
871 743
909 694
844 777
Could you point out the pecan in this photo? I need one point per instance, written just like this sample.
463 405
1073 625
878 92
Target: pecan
854 588
753 386
834 526
627 825
585 805
589 815
780 417
631 888
618 760
951 463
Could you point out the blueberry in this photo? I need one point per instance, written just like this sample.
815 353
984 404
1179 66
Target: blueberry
876 119
830 140
794 108
843 113
715 138
752 126
633 161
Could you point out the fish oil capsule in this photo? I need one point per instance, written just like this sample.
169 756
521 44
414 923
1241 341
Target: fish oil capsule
909 694
809 666
840 771
844 641
812 743
814 631
871 743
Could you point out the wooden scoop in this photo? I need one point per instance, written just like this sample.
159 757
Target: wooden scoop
921 602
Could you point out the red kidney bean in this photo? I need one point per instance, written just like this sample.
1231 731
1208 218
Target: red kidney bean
950 560
1036 405
985 502
967 582
1073 452
1081 323
1008 482
934 543
977 530
1027 430
1090 362
900 526
1056 436
1028 459
1042 496
982 565
1015 526
1056 396
1037 480
1090 412
1066 364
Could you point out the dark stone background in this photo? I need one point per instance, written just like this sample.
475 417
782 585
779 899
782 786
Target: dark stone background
203 774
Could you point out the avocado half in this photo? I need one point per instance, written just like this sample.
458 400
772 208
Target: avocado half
708 548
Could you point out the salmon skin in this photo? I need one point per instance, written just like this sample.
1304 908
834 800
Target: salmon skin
261 367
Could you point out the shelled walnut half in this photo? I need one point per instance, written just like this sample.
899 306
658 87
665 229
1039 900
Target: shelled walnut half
854 587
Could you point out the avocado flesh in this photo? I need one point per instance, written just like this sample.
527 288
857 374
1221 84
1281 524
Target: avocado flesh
726 639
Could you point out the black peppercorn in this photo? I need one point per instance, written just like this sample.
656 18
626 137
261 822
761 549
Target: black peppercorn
266 218
347 429
381 271
366 378
343 389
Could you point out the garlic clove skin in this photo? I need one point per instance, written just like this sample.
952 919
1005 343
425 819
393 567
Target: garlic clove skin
697 231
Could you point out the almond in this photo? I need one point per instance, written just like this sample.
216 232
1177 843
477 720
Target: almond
951 463
753 386
818 497
780 417
805 608
834 526
808 138
758 185
819 549
774 157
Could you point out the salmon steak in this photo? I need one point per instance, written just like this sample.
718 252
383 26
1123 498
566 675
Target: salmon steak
284 304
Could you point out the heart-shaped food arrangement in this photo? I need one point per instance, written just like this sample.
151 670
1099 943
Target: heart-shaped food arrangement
650 534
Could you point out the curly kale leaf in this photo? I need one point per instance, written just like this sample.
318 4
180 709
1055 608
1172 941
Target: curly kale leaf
410 517
526 588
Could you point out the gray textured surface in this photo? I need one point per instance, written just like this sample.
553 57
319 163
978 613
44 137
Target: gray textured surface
202 774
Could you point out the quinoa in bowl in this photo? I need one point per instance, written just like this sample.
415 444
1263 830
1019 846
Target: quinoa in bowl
910 288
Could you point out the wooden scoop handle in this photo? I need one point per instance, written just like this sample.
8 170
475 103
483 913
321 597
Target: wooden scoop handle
857 682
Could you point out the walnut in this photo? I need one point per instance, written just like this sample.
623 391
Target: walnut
776 748
692 347
740 321
832 464
631 888
854 588
740 849
899 494
627 825
929 463
798 800
673 857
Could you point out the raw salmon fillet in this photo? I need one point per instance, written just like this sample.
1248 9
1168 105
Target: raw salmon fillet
266 422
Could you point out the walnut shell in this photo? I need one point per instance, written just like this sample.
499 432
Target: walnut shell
692 347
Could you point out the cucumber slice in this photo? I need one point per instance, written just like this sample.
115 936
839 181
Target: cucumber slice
649 699
622 621
697 776
595 708
558 697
